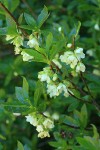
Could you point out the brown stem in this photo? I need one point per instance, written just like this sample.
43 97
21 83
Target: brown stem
68 91
93 101
81 100
10 14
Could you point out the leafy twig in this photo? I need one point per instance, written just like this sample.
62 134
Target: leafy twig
10 14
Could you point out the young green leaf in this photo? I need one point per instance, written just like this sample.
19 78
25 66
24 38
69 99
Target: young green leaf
38 92
30 20
15 107
42 17
25 88
86 144
20 146
49 41
84 116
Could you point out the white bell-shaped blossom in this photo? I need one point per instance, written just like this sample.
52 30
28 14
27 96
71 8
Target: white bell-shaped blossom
32 120
17 50
52 90
44 77
18 41
55 116
39 128
69 45
9 37
43 134
79 53
26 57
32 43
96 27
69 58
46 113
49 124
80 67
89 52
55 77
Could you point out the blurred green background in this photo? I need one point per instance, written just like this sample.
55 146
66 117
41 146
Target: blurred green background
64 13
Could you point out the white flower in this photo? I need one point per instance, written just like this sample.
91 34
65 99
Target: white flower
72 60
18 41
32 42
26 57
31 120
59 29
80 67
55 77
43 134
61 87
17 50
90 52
52 90
43 77
96 72
39 128
16 114
9 37
69 58
46 113
49 124
64 57
96 27
55 116
69 45
79 53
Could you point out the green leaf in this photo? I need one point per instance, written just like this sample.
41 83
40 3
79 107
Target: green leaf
11 26
38 92
22 96
20 19
14 4
30 20
57 48
15 107
86 144
10 4
49 41
42 17
75 31
96 134
42 107
70 121
25 88
84 116
78 28
38 57
20 146
2 137
27 27
73 106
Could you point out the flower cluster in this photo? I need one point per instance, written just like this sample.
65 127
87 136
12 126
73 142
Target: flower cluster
73 58
18 41
42 122
54 88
